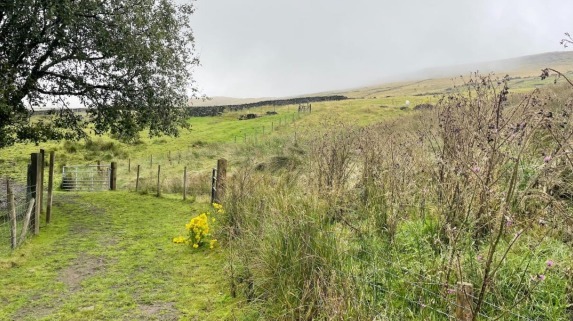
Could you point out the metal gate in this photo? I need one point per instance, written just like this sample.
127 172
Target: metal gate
86 178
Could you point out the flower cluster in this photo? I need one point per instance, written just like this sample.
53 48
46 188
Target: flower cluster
218 208
199 229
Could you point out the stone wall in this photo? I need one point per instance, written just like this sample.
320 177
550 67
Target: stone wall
203 111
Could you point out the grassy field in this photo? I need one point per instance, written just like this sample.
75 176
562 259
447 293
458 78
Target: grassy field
110 256
308 235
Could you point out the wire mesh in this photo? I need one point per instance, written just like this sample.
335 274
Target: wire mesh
23 197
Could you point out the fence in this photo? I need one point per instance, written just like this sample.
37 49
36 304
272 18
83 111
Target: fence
256 134
22 205
104 177
16 216
86 178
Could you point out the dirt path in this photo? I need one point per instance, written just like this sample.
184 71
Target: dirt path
109 256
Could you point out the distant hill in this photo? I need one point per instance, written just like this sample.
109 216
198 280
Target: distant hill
521 66
430 81
437 80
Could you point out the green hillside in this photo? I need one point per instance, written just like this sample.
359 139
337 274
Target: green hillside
362 209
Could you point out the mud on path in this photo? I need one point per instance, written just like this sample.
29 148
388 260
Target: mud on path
109 256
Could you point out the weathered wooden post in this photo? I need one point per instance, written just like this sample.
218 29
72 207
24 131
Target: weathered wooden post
221 180
129 165
213 185
13 221
464 292
137 179
113 177
36 167
50 187
40 198
158 180
185 183
29 183
272 127
27 219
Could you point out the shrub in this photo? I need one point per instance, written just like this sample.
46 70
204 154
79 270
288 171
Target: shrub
199 229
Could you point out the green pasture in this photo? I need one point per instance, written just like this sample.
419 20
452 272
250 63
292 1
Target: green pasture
110 256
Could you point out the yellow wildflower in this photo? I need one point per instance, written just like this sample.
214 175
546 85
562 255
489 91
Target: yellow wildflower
195 245
179 239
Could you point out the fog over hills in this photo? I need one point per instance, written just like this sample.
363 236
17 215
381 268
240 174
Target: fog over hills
530 65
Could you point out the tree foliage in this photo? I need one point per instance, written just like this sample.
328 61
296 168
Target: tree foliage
129 62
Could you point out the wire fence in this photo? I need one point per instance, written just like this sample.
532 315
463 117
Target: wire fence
14 233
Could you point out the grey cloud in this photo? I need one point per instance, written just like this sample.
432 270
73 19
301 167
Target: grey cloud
278 48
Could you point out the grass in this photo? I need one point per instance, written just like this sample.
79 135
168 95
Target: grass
383 221
109 256
209 139
348 249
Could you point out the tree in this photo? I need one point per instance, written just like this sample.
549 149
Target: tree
129 62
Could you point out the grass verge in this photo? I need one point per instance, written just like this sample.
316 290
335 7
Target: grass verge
110 256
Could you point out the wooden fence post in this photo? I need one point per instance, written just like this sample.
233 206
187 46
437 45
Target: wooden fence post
13 219
464 293
50 187
40 197
129 165
213 185
29 183
31 189
221 180
27 219
36 167
158 180
137 180
113 177
185 183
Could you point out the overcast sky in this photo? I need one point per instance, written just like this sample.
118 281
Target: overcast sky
276 48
